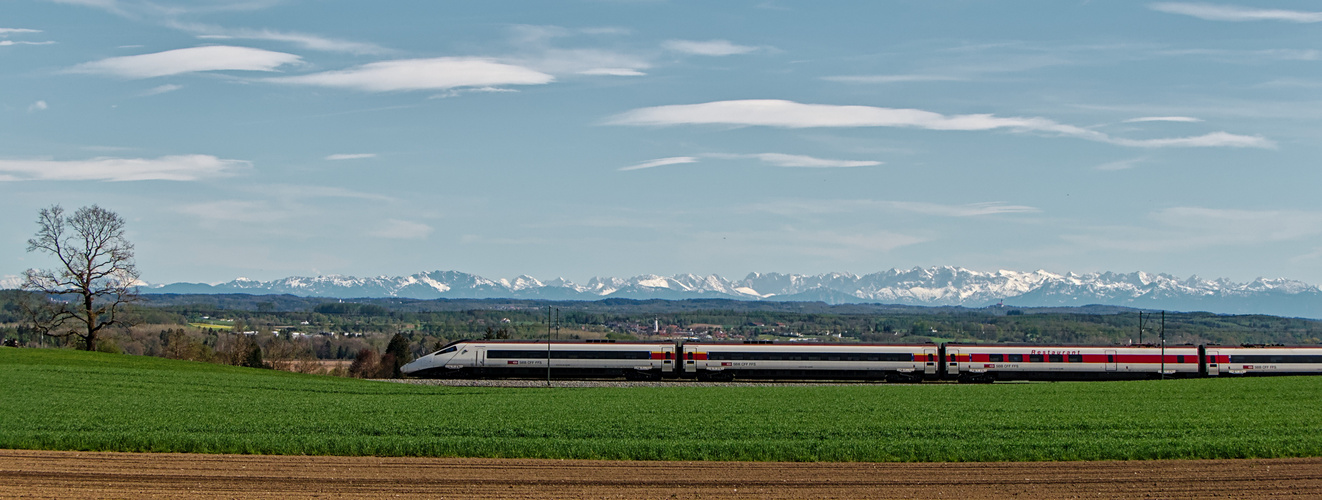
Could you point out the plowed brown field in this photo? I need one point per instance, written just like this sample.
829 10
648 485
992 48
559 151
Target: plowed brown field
51 474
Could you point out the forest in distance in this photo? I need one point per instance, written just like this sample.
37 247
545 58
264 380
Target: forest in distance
305 334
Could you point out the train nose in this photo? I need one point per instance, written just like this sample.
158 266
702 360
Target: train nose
411 367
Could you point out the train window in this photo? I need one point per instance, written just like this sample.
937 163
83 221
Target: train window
1179 359
1055 358
1034 358
995 358
1017 358
445 351
669 354
1076 358
1110 358
690 354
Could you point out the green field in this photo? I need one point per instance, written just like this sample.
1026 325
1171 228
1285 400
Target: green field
70 400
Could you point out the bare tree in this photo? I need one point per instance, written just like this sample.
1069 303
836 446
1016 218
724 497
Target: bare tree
95 280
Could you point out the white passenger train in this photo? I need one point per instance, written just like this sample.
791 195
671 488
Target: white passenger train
837 361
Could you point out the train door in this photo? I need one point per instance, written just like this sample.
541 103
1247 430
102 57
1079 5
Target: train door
479 356
952 362
1111 363
1213 367
929 361
690 368
667 360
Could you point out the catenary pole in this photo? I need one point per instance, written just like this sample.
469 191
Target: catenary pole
1163 345
548 346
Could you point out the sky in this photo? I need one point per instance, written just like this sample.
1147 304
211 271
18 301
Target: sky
274 138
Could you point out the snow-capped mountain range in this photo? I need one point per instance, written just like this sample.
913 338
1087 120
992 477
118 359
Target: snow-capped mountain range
936 286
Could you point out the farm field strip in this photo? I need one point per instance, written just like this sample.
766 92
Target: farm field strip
70 400
27 474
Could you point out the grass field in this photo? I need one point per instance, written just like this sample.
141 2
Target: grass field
211 326
69 400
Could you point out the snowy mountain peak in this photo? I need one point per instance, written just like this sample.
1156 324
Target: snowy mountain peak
934 286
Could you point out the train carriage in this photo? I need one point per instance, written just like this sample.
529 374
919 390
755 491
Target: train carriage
823 361
991 362
634 360
764 360
1262 360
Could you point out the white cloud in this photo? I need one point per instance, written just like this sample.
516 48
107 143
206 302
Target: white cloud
593 62
876 79
168 168
1212 140
7 43
174 62
1120 165
612 72
676 160
161 89
790 114
423 74
37 106
533 49
304 40
402 230
707 48
14 31
353 156
1212 12
774 159
1185 119
801 161
457 92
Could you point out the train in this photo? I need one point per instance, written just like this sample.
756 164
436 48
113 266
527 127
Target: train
767 360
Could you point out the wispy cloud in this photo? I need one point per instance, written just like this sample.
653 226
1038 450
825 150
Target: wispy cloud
707 47
535 47
422 74
798 161
246 211
1185 119
6 32
161 89
966 210
882 79
6 43
352 156
676 160
1190 228
1248 56
1120 164
37 106
591 62
401 230
167 168
790 114
304 40
1212 12
304 191
179 61
819 207
774 159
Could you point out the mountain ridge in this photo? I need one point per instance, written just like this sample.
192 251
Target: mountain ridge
933 286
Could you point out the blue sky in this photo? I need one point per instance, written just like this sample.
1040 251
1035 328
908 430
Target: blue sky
269 138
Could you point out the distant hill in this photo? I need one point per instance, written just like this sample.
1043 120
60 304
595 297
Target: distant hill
936 286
